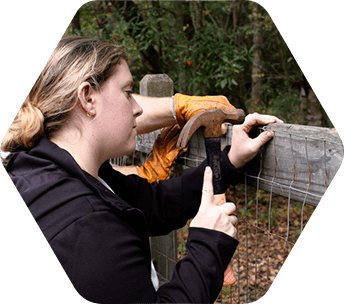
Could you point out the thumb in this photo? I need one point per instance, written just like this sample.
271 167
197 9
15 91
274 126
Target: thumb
207 189
262 139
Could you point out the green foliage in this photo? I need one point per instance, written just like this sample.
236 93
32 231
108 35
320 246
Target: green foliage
101 20
210 60
214 57
282 105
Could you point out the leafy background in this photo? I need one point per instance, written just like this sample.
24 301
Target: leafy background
229 48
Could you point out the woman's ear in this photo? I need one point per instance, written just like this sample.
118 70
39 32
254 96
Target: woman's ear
86 98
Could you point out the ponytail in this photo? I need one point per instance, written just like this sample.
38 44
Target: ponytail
27 127
54 95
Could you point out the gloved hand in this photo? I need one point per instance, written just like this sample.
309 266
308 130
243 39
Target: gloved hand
163 156
160 161
187 106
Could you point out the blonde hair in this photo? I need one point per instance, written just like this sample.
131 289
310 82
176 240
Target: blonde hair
75 60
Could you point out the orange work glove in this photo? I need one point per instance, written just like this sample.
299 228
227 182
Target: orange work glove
187 106
164 154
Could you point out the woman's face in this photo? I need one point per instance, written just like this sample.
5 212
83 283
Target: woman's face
116 115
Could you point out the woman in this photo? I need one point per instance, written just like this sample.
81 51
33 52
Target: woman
80 113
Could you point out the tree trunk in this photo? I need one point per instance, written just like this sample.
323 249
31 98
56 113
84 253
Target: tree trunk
257 81
180 23
197 15
76 22
310 106
150 57
284 62
242 92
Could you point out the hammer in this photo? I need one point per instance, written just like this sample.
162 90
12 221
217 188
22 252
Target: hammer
211 121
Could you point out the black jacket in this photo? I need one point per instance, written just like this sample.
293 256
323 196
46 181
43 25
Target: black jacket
102 239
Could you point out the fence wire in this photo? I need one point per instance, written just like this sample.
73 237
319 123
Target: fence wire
275 202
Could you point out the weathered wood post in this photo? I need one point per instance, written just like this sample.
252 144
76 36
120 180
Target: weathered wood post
164 248
299 163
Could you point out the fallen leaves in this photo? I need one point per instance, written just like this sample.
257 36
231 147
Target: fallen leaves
266 238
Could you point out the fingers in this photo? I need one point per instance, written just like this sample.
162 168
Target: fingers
234 220
224 129
255 119
208 181
208 193
245 148
207 189
228 208
262 139
260 119
211 216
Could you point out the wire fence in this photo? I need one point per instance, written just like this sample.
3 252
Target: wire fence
281 189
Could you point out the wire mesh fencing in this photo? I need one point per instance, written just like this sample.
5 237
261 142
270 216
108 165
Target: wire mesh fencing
282 187
280 192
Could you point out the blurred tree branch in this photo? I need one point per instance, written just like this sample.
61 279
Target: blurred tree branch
150 57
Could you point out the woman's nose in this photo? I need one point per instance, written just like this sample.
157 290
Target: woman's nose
137 110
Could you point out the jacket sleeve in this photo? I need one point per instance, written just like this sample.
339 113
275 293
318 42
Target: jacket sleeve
169 204
198 278
104 258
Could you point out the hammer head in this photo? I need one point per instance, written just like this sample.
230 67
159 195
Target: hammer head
211 122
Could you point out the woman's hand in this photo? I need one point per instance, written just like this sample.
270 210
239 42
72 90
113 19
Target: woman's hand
243 147
214 217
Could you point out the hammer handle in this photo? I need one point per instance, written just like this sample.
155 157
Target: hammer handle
213 149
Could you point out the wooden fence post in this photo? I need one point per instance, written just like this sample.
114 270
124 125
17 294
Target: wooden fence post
299 163
164 248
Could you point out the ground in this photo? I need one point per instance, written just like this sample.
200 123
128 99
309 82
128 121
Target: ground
265 239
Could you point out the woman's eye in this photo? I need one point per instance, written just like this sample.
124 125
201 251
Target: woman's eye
130 93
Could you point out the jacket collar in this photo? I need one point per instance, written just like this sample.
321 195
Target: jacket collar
47 150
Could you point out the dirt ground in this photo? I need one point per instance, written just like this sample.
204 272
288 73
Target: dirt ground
267 230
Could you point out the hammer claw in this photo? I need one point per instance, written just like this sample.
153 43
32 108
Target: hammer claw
211 121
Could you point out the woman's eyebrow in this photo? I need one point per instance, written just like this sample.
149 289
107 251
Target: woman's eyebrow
129 83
